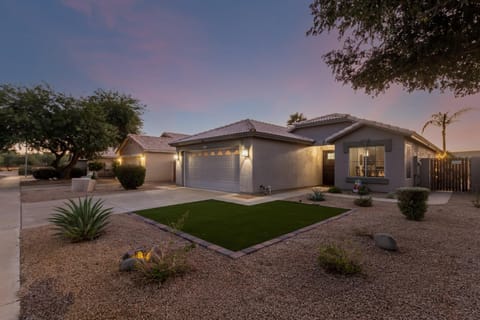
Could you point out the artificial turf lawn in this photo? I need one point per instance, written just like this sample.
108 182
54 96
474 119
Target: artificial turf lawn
237 227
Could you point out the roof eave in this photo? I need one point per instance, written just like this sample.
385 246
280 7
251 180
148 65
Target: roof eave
242 135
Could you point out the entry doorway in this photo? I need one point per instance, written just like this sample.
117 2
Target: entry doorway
328 168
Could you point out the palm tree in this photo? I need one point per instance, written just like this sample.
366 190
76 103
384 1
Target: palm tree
442 120
296 117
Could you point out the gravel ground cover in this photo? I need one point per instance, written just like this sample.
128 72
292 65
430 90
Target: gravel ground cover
236 227
433 276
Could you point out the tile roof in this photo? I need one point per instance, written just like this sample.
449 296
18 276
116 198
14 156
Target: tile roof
364 122
244 128
157 144
326 119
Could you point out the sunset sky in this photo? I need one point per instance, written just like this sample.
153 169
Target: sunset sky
197 64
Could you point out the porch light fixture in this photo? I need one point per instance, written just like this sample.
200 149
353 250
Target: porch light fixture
175 156
244 153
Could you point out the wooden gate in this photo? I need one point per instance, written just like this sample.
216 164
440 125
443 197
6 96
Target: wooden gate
450 174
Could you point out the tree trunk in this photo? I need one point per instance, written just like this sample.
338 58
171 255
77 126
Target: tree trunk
444 140
65 172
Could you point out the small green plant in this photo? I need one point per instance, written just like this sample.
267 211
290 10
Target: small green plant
412 202
391 195
130 176
476 202
94 167
334 259
363 201
163 262
82 221
334 190
316 195
363 190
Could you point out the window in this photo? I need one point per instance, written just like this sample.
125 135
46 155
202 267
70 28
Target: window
367 161
408 161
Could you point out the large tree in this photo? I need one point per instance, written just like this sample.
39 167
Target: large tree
121 110
442 120
419 44
64 125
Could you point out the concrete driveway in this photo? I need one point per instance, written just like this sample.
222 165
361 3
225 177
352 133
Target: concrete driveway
36 213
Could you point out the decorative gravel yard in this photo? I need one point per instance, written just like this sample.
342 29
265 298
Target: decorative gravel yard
237 227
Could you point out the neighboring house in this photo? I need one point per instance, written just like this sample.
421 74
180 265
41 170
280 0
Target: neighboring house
154 153
336 149
107 158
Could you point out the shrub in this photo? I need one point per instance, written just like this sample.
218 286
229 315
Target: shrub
317 195
94 167
45 173
391 195
363 201
334 259
163 262
412 202
77 172
363 190
21 170
81 221
334 190
130 176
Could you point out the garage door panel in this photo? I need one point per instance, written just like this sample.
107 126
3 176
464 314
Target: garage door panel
217 170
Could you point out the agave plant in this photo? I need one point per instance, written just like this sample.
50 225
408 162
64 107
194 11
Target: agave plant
82 221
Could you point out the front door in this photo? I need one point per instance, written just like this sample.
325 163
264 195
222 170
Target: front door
328 168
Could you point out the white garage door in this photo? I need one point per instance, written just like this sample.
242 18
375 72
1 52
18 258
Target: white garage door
213 169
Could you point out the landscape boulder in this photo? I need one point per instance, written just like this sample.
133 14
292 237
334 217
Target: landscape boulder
385 241
128 264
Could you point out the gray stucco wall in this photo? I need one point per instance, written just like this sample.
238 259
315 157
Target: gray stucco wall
319 133
394 159
285 165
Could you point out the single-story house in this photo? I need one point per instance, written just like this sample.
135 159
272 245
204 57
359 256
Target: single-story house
154 153
107 158
336 149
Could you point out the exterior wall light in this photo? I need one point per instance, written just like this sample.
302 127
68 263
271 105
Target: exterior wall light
175 156
244 153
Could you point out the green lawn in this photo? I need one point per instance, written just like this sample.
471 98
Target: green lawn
237 227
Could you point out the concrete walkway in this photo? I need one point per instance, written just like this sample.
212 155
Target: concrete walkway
9 247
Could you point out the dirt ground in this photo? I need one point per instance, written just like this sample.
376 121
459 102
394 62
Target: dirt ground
433 276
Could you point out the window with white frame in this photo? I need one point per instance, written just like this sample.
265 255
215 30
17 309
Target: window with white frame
367 161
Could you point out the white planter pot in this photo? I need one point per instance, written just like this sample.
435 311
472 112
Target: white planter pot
83 184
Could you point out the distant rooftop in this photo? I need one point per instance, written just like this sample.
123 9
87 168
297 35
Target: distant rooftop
157 144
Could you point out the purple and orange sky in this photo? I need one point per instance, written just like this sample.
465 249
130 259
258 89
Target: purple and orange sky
202 64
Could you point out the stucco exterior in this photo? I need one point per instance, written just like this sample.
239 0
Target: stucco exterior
159 166
284 165
320 133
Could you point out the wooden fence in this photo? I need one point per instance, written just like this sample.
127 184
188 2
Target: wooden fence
450 174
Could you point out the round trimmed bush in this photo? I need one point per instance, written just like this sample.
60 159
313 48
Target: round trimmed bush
45 173
130 176
412 202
